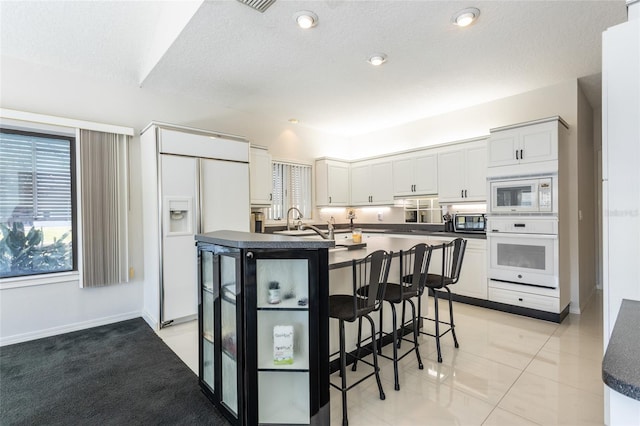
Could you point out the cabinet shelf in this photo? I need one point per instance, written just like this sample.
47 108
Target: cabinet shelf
285 305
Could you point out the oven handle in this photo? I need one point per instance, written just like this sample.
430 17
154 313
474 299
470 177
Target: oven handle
512 235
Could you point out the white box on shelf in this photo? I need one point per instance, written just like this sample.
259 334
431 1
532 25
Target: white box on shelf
283 344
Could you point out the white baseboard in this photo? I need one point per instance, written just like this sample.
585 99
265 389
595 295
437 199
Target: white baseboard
153 323
54 331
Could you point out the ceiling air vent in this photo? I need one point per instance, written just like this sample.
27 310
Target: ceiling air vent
259 5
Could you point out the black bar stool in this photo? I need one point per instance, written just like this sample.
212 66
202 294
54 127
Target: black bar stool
414 264
370 273
452 256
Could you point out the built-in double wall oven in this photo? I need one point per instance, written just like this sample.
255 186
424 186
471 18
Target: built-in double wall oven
522 231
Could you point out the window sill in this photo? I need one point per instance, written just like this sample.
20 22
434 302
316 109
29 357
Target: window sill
30 281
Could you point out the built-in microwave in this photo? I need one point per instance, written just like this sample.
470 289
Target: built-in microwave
531 195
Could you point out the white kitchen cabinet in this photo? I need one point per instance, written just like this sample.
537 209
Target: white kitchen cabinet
515 149
261 177
462 173
371 184
415 175
332 183
473 275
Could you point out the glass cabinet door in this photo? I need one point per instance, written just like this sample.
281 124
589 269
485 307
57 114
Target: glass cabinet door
207 324
282 334
230 292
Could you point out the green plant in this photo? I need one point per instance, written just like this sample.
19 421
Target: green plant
23 254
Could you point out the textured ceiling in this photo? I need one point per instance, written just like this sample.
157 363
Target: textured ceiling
263 64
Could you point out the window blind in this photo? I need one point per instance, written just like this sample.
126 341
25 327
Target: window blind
35 178
291 188
103 174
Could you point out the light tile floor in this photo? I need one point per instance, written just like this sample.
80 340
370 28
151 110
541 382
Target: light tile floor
509 370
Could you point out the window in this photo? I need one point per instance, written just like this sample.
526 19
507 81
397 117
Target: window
37 203
291 188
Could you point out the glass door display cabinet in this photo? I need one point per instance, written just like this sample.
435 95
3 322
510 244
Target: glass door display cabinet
263 323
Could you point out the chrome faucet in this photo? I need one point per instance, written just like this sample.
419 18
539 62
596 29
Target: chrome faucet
289 214
328 236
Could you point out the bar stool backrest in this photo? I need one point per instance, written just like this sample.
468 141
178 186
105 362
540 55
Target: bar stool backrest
452 256
369 281
414 264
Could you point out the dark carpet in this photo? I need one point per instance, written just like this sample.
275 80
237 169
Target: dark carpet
118 374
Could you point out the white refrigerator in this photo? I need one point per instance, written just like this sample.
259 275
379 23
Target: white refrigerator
193 182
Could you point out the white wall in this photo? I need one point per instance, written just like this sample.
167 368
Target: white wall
45 310
586 202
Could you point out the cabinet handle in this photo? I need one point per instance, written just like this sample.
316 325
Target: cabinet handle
465 194
517 158
413 188
250 255
521 155
329 199
270 197
462 193
520 299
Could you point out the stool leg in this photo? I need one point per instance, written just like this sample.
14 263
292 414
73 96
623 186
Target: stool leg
415 334
402 324
395 347
437 321
355 361
380 338
343 373
375 357
453 327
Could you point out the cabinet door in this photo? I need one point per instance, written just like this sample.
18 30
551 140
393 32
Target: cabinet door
381 183
473 275
425 170
539 143
284 335
206 314
501 148
476 168
361 185
332 183
261 177
451 175
403 180
229 354
338 184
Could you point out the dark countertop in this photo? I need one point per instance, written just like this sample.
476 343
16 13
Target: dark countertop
389 228
340 258
621 363
258 241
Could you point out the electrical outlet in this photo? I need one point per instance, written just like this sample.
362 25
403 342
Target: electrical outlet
380 216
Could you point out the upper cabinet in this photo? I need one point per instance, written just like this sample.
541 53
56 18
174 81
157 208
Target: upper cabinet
415 175
371 183
261 177
514 149
462 173
332 183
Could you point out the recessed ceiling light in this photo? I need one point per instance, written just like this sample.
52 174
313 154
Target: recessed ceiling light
465 17
377 59
306 19
293 121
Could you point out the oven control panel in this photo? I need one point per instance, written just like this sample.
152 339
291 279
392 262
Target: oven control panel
524 225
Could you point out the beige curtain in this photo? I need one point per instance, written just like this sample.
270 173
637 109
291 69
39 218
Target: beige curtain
103 203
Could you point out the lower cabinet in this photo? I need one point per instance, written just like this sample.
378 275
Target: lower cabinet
473 275
263 322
